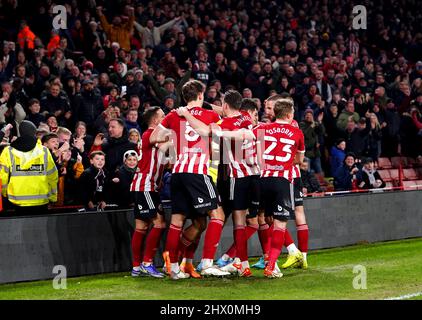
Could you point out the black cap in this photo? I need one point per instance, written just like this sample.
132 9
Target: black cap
27 129
87 81
167 80
367 160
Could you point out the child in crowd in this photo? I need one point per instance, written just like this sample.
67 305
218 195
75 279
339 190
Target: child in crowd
34 114
92 183
123 178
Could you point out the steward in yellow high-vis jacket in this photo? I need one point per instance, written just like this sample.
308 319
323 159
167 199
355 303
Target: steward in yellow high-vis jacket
28 173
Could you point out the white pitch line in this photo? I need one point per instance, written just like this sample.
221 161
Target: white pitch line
406 296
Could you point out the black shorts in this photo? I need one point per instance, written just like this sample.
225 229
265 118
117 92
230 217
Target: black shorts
278 197
147 205
245 195
298 191
223 187
193 194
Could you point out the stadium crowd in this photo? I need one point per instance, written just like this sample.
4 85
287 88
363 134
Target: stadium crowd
357 93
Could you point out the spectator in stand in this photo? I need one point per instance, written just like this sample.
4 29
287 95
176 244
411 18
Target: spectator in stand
338 154
88 105
356 137
131 121
311 130
346 115
310 182
10 110
118 32
347 176
116 144
123 178
370 177
93 184
113 96
374 138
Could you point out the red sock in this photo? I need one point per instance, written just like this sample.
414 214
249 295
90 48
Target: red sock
232 250
184 243
137 240
152 242
250 230
303 237
277 240
241 242
212 237
172 243
264 237
288 239
190 251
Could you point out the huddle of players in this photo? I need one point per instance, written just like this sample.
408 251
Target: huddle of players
257 165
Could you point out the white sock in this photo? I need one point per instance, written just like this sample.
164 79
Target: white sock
304 255
146 264
175 267
225 257
137 268
206 263
189 260
245 264
292 249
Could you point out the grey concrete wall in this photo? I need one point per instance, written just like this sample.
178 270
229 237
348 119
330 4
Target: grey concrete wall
97 243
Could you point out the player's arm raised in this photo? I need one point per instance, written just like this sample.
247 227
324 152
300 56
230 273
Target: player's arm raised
241 134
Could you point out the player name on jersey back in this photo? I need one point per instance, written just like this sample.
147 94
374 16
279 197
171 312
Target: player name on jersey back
278 144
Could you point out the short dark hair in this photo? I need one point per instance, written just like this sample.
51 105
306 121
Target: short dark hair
119 121
234 99
33 101
47 137
96 153
149 114
191 90
249 104
276 97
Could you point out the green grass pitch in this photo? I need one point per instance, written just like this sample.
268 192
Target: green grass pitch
393 269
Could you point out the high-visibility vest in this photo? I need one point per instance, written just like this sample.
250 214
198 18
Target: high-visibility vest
28 178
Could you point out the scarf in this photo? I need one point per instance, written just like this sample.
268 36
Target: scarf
99 179
371 176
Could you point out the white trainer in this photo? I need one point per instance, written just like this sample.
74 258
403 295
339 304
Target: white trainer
230 268
179 275
214 271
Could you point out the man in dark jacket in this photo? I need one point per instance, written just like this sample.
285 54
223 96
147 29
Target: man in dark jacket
57 103
88 105
115 146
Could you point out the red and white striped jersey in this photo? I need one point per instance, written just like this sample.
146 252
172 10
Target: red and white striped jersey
240 154
150 168
279 142
193 150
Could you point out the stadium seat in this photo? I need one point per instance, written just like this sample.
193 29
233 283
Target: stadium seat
411 162
395 162
409 185
384 163
394 174
410 174
385 175
389 184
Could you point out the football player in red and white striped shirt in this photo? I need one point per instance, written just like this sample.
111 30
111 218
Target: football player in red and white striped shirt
297 257
192 191
280 146
147 199
241 157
